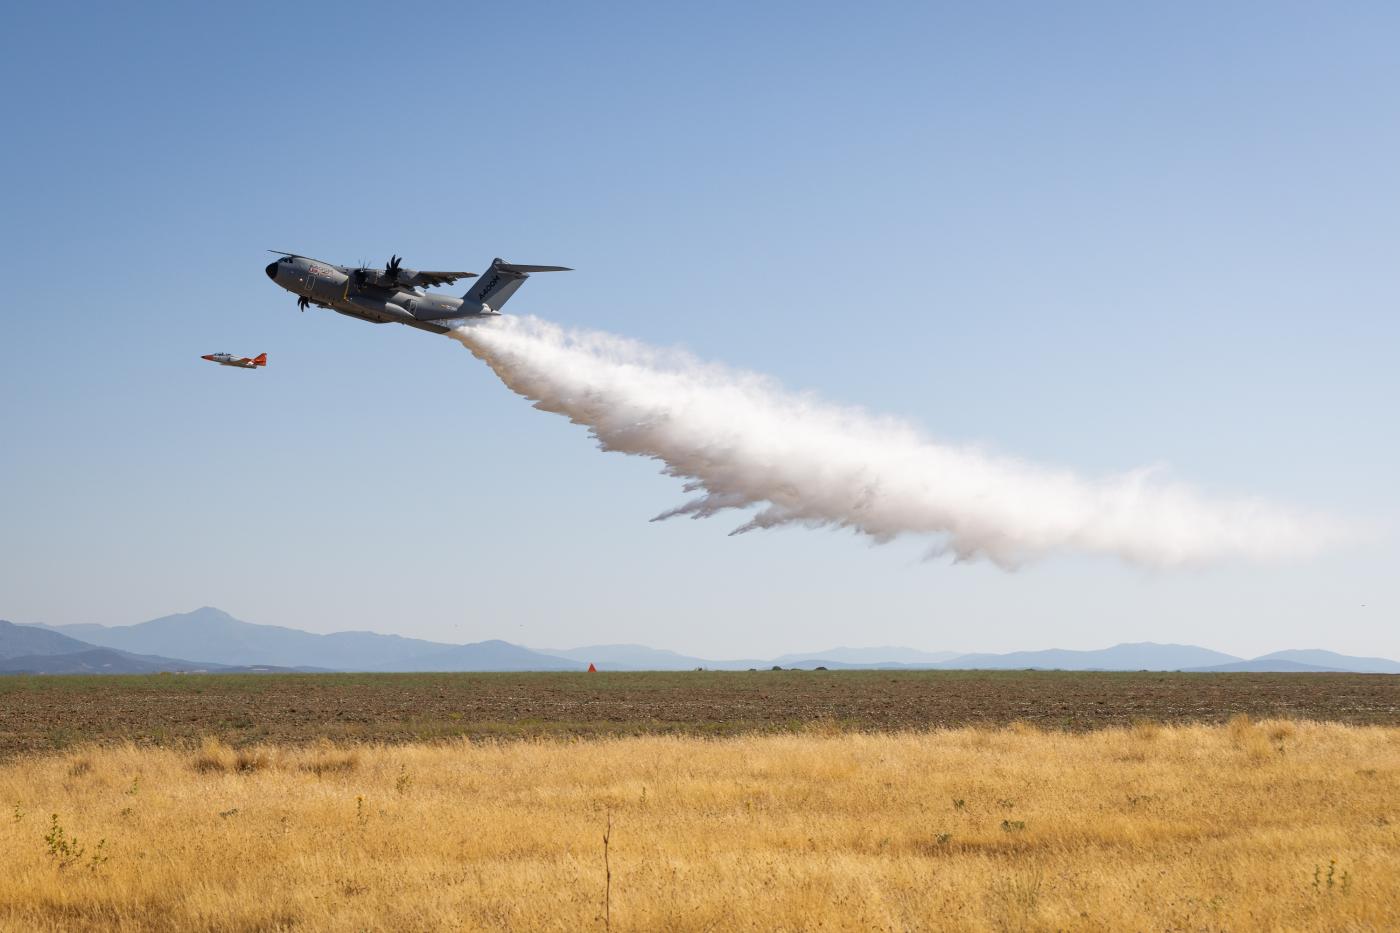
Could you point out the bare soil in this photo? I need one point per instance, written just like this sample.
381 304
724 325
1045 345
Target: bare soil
53 712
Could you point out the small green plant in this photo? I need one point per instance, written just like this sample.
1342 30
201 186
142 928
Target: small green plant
1006 804
404 781
62 850
66 851
135 787
99 856
1012 826
959 803
361 815
944 838
19 814
1329 881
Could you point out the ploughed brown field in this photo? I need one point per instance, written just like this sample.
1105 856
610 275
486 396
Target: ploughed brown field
49 713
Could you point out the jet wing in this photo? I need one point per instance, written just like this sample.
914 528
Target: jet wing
434 279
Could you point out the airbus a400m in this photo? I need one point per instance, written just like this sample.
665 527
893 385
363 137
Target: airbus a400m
395 294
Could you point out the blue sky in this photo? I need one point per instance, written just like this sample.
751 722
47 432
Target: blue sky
1093 235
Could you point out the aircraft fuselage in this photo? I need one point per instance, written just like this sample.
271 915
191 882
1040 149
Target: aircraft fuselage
332 286
241 362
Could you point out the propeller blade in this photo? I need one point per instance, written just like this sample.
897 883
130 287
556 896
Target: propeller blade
303 302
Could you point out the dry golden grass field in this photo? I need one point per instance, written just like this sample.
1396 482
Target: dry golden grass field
1272 825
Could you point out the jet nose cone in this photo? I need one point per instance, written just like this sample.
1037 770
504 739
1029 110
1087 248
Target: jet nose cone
272 271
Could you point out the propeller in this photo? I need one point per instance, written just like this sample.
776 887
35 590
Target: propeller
391 268
303 302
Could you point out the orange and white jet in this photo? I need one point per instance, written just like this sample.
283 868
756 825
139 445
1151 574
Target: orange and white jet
228 359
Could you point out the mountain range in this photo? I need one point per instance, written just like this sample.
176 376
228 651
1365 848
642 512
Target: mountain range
209 639
26 649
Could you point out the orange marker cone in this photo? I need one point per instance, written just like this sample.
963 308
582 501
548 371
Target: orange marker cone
592 669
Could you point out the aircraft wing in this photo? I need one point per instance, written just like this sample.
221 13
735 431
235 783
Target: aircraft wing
434 279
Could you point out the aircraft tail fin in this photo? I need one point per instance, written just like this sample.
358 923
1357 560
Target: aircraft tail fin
260 359
498 283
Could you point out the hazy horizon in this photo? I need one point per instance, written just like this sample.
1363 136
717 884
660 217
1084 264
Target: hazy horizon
814 652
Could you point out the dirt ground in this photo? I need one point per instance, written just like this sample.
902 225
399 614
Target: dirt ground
53 712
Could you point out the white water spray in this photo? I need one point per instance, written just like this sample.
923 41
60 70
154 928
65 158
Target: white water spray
741 440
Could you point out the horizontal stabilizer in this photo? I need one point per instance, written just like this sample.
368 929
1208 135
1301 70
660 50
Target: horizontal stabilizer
515 267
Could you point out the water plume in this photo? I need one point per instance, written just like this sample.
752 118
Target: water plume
739 440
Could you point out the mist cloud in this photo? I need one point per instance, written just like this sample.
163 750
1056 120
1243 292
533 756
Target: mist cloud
740 440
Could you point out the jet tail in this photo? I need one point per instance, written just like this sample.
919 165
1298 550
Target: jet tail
260 359
498 283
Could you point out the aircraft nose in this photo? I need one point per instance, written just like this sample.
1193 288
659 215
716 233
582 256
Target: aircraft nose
272 271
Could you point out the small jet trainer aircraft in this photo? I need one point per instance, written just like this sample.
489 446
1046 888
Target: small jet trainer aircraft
393 293
243 362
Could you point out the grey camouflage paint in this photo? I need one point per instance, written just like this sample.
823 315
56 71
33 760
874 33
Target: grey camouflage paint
395 294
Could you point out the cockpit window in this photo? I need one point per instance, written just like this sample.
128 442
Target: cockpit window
286 259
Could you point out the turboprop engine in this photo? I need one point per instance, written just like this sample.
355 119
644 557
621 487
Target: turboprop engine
395 275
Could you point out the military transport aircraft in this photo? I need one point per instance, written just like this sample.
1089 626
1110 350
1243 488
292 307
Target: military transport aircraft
242 362
394 293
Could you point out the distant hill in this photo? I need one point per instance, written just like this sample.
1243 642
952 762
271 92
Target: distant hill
30 649
213 636
1332 659
887 655
1138 656
642 658
17 641
486 656
1267 666
97 661
110 661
